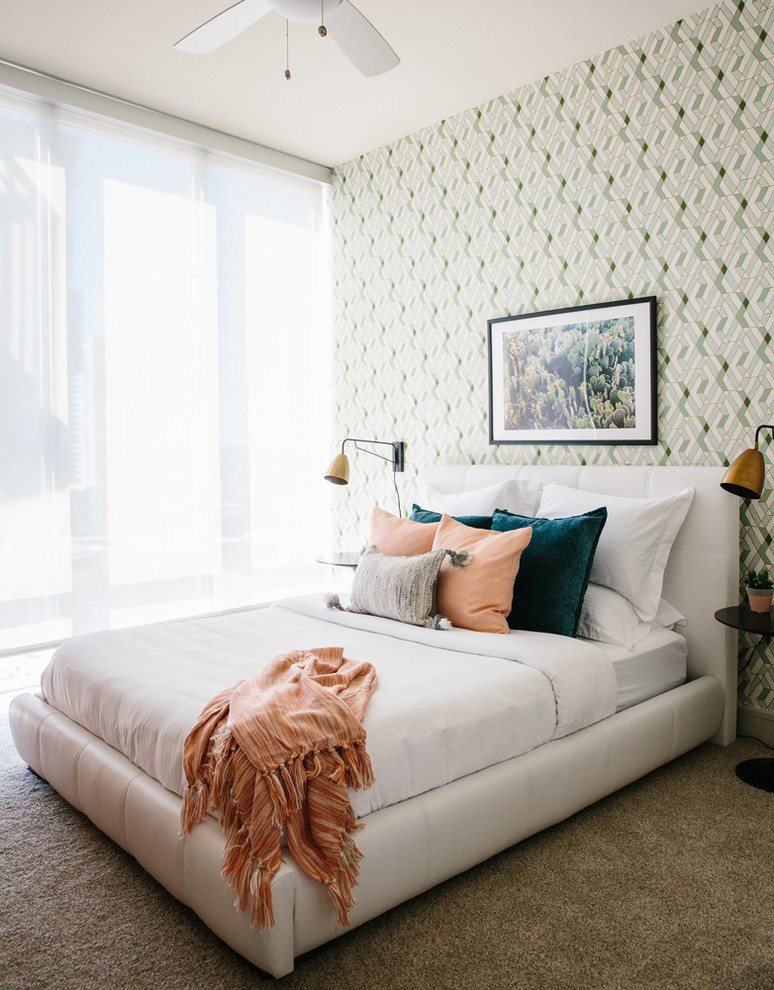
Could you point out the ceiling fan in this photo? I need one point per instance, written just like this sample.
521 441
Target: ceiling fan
353 33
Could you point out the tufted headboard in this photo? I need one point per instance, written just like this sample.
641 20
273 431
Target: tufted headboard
702 574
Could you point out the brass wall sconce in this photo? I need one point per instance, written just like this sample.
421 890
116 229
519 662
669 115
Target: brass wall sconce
338 472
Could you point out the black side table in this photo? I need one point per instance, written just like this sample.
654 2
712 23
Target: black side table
758 773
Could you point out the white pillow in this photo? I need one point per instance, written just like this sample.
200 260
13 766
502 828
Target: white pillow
667 616
608 617
520 497
634 546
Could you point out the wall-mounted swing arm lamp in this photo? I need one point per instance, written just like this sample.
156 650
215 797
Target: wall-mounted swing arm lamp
744 478
338 472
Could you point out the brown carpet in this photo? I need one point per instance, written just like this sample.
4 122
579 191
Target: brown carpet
667 884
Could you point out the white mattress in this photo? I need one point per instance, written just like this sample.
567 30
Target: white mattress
448 703
656 664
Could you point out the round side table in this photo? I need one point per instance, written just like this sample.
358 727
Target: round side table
340 558
758 773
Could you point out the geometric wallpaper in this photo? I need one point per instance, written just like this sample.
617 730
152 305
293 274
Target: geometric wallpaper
648 170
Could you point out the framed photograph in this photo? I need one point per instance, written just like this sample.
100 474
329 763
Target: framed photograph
586 374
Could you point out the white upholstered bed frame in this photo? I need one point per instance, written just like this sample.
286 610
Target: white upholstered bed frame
412 846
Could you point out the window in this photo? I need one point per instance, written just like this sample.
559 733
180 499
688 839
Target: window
163 377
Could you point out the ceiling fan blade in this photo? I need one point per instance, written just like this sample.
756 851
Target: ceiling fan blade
223 27
360 41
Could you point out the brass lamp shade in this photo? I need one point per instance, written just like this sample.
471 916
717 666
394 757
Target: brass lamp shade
338 472
745 476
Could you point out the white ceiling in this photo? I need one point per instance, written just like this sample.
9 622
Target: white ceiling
455 54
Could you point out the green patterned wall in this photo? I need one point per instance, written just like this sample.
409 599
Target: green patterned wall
645 171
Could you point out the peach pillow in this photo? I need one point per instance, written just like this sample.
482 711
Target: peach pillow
400 537
479 595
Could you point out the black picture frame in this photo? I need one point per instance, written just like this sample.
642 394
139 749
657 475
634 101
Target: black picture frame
580 375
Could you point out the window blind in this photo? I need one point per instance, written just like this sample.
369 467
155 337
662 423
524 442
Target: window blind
164 348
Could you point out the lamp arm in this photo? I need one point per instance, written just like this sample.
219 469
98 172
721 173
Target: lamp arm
765 426
397 447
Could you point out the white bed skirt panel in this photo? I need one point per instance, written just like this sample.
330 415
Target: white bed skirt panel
408 847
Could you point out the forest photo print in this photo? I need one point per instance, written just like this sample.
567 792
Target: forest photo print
579 375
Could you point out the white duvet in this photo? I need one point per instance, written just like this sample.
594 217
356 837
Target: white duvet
447 703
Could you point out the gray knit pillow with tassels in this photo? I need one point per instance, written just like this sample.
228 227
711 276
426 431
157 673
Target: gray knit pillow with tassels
401 588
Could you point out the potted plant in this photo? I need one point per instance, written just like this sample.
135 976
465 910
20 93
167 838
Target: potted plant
760 589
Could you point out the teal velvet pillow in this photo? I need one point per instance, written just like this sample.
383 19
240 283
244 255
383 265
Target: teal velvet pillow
554 570
426 516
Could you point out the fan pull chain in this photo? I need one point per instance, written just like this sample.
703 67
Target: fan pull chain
322 30
287 49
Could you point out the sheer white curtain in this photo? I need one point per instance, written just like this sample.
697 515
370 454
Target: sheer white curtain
163 377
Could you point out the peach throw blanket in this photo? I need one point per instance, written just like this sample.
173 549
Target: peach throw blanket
282 748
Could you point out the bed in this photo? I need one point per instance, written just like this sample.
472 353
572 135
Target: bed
607 723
